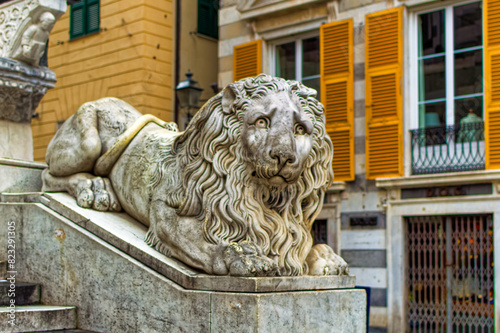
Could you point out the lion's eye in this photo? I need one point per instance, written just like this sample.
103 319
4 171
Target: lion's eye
300 130
262 123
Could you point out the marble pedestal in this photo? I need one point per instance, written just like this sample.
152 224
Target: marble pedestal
99 263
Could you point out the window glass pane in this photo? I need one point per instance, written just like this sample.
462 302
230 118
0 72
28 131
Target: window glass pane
469 73
433 115
467 25
432 78
285 61
431 33
313 83
466 106
310 56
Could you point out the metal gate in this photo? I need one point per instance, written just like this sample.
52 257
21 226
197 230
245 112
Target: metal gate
449 274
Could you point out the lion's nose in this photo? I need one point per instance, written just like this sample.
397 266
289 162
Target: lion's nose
282 156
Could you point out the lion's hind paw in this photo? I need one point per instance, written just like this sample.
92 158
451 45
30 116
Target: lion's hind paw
323 261
97 194
246 259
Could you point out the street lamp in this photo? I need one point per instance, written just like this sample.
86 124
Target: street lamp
188 92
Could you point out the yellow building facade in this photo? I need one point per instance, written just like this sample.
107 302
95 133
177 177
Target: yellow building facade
127 49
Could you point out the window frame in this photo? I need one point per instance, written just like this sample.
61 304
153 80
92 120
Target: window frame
298 54
413 57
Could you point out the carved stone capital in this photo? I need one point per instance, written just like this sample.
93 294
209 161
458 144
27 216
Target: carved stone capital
21 89
25 26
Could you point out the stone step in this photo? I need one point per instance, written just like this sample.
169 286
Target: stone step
66 331
25 293
38 318
3 270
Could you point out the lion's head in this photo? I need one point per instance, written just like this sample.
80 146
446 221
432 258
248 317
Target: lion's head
255 163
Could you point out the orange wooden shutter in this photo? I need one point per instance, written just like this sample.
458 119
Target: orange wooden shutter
337 77
247 60
384 99
491 39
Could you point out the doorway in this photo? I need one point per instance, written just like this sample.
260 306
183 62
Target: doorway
449 274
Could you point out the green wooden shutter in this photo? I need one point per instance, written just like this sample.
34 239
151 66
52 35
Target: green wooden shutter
93 16
208 18
77 20
84 18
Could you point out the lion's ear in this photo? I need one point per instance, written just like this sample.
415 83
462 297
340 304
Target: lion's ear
228 98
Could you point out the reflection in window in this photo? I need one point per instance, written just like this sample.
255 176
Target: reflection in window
450 66
299 60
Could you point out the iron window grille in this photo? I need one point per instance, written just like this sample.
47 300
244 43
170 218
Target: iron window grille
448 149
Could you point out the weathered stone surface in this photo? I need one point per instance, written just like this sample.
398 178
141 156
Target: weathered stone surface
17 141
3 269
290 312
30 318
25 293
365 258
22 87
126 234
17 176
235 194
116 293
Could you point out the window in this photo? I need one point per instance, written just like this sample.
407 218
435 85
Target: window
208 18
450 66
449 90
299 60
320 232
84 18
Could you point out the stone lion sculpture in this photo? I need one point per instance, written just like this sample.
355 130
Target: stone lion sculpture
235 193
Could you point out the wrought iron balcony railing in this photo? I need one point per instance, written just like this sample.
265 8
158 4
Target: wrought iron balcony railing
448 149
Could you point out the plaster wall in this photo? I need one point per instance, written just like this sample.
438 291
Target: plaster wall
198 53
131 58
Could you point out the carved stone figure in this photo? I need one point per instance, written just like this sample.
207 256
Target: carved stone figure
236 193
34 40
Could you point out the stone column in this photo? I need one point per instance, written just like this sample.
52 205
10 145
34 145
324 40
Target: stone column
24 30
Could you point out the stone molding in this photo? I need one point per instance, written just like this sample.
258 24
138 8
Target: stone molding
251 9
22 87
22 163
437 179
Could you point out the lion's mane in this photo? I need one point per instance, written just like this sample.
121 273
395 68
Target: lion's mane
205 167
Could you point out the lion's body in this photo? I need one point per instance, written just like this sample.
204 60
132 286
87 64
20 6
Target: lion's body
236 193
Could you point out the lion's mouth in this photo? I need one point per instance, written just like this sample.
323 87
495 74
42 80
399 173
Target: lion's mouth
276 178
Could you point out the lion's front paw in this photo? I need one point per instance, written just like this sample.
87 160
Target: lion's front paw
323 261
246 259
97 194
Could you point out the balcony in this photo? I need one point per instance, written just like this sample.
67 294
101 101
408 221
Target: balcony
448 149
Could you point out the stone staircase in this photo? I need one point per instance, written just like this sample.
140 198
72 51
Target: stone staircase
31 315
